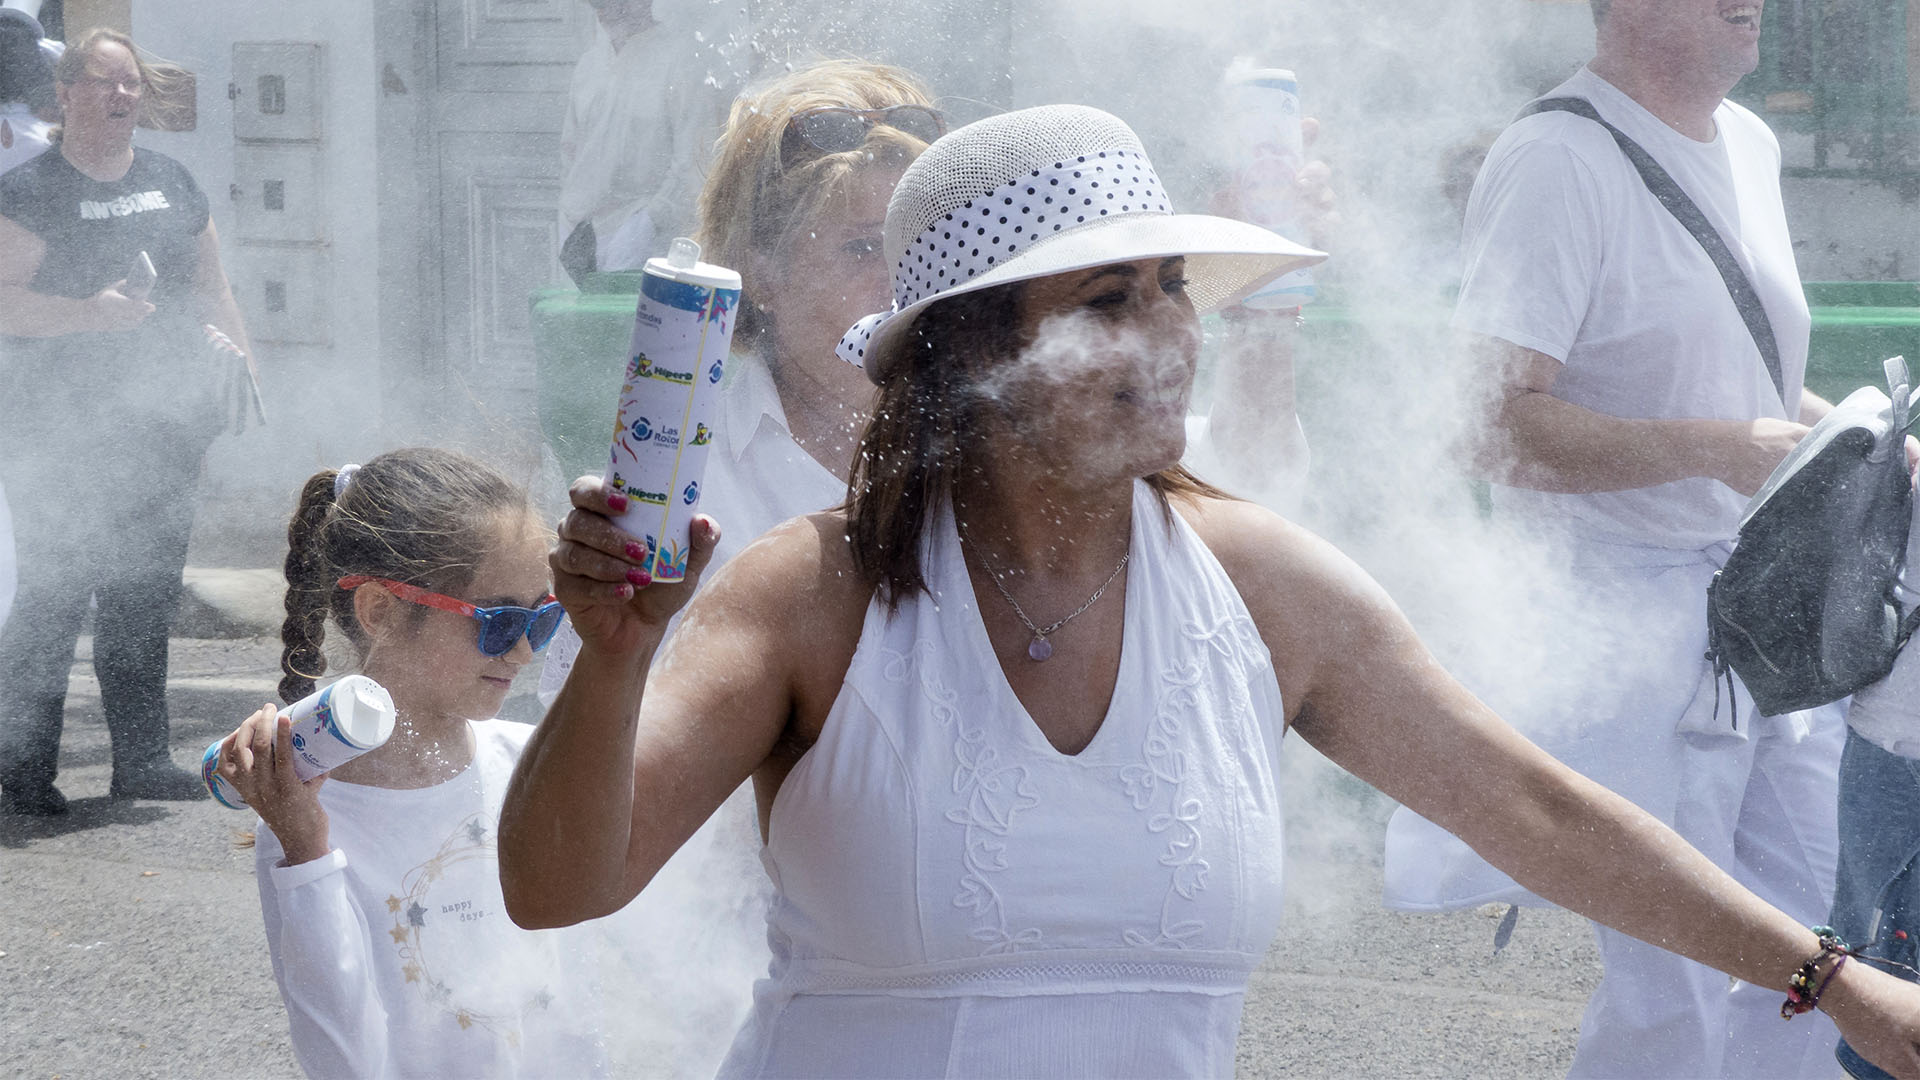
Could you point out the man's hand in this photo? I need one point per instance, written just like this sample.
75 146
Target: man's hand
1535 440
1751 450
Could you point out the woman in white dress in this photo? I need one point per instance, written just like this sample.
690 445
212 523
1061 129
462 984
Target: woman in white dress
1013 712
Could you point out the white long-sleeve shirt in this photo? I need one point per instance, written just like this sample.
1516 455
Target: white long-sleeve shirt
394 952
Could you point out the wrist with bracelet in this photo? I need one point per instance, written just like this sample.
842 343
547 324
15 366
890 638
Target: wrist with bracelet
1806 986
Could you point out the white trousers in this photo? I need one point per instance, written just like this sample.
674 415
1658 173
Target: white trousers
1766 814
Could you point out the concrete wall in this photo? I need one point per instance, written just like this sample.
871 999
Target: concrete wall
321 400
1853 230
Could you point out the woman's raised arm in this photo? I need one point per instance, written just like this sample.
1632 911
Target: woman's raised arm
639 748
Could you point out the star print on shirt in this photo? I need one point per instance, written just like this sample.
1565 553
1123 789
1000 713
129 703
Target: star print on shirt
416 915
477 832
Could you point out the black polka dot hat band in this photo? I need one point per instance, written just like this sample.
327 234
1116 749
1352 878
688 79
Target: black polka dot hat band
1043 191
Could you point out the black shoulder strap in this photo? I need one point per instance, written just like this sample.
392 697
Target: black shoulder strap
1667 190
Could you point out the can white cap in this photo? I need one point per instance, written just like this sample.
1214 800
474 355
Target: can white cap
363 712
682 264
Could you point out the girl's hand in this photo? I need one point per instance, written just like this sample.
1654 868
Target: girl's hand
257 759
598 575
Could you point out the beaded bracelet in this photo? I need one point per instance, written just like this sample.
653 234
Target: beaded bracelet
1803 992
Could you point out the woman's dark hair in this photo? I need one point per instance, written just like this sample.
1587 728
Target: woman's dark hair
419 516
926 422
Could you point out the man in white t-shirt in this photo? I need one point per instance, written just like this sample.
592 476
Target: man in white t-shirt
646 102
1634 416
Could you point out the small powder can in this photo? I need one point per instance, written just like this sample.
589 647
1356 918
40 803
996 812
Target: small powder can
1262 108
331 727
669 410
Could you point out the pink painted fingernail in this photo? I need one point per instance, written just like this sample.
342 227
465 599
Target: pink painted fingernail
617 503
635 551
624 592
639 577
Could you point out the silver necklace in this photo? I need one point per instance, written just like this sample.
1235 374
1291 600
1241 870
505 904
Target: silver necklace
1040 649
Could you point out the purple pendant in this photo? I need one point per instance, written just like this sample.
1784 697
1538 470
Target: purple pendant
1039 649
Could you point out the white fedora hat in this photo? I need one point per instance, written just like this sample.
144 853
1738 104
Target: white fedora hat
1044 191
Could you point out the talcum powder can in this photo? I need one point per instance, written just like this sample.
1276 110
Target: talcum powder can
331 727
669 400
1263 116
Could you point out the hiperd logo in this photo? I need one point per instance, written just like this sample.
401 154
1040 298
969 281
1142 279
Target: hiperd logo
657 498
642 367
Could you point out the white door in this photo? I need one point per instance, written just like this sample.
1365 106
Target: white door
473 95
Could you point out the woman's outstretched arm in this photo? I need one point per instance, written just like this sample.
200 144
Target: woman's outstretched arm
1366 692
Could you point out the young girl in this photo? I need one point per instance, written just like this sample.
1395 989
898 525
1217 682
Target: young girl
378 883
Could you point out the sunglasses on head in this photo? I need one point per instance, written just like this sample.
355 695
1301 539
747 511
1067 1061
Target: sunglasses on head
501 628
833 129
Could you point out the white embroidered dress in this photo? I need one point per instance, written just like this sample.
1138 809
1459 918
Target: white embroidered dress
955 897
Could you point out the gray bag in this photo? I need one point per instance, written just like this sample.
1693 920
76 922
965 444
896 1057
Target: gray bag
1810 606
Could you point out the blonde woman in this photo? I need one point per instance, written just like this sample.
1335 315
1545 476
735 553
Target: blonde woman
796 200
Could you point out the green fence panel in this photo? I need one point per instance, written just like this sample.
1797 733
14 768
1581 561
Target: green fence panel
580 343
581 338
1856 325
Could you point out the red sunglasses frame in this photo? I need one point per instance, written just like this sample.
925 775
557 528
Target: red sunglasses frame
421 596
439 601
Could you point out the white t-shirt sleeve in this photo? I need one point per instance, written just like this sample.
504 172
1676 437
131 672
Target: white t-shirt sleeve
1532 247
322 959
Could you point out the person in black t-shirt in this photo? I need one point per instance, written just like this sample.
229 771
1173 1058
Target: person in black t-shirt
107 388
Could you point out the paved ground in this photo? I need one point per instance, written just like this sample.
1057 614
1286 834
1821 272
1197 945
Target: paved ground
130 940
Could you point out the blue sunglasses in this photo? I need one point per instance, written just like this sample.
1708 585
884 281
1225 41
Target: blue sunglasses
500 627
